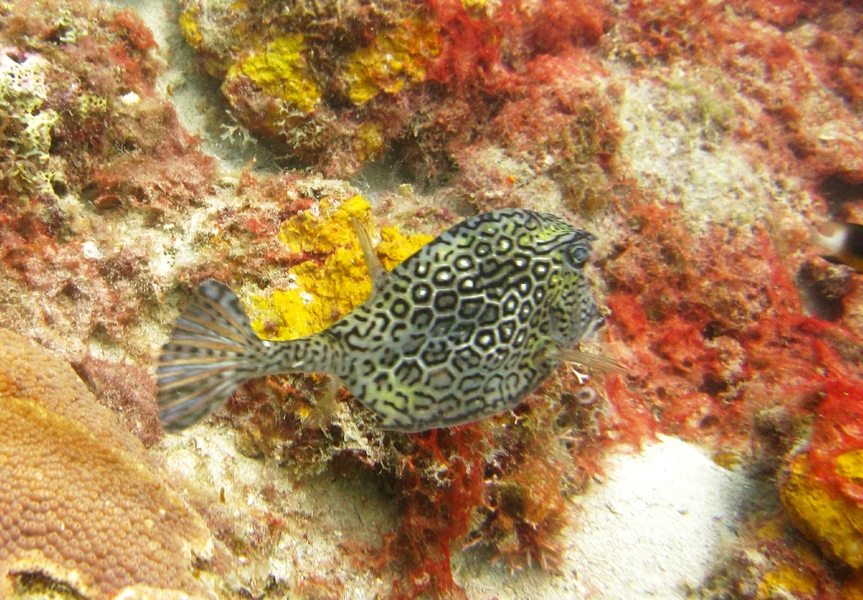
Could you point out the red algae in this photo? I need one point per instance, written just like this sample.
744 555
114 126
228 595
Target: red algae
398 83
797 63
112 248
733 332
487 51
441 481
837 432
499 487
724 321
729 356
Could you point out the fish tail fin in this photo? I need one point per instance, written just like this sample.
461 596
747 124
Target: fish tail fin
212 351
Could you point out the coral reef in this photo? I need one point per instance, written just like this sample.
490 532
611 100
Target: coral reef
82 504
323 293
821 487
833 522
696 139
403 82
770 560
392 60
89 150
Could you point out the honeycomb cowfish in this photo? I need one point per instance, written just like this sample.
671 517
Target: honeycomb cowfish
463 329
842 241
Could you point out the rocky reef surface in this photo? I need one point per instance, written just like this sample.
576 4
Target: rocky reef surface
145 147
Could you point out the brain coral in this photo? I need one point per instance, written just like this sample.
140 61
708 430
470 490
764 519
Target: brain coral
80 502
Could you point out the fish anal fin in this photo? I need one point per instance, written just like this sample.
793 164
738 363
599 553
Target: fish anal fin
376 269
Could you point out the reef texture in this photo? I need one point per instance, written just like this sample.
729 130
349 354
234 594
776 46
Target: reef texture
698 140
338 85
81 504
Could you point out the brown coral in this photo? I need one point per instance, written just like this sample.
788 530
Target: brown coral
80 503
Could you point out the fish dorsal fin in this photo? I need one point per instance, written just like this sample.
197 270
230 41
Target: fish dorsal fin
376 269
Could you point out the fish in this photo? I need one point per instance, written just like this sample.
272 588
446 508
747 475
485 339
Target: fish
842 241
463 329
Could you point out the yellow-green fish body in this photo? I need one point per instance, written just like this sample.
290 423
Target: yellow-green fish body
461 330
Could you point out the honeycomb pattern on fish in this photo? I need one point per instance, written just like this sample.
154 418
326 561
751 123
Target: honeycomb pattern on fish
461 330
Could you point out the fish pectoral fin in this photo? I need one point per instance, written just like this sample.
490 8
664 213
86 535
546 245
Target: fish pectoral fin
588 359
376 269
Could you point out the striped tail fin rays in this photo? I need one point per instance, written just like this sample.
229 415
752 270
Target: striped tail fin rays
212 351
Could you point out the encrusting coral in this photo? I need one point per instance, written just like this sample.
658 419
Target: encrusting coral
820 486
634 117
80 502
404 82
326 292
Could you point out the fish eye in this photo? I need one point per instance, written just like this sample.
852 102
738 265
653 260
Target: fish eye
577 255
